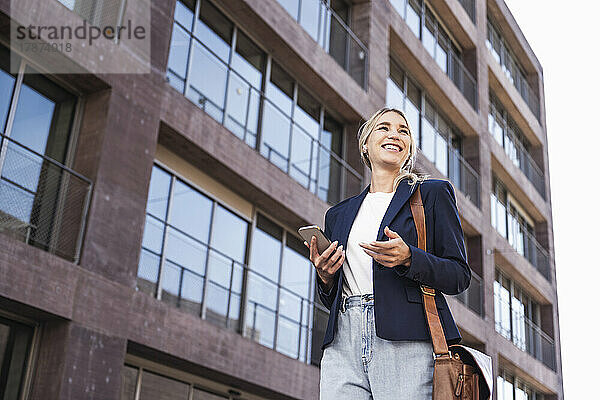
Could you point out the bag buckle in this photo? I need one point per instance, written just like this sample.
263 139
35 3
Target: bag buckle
427 290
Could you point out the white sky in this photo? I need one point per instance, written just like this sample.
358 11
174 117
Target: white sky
564 35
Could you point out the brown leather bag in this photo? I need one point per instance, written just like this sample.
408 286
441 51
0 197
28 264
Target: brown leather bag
460 372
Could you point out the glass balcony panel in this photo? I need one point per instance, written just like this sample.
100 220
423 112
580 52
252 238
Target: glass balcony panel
208 77
428 139
179 51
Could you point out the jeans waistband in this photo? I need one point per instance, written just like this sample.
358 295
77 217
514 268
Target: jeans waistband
356 300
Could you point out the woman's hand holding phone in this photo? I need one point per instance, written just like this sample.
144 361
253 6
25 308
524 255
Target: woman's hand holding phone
328 262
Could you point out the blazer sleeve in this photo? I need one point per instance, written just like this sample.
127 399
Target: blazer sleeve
327 297
443 267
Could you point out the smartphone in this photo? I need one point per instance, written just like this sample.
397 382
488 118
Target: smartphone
307 232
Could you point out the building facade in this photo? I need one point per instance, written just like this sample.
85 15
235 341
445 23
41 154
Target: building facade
148 223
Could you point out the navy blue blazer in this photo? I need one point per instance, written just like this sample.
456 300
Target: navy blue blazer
399 313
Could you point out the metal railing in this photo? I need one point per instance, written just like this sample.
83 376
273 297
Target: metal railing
334 36
42 202
528 337
524 242
463 80
469 6
304 158
522 159
463 176
455 69
473 296
512 70
226 293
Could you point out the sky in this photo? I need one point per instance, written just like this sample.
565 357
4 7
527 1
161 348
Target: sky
563 35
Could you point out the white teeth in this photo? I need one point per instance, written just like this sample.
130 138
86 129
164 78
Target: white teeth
391 147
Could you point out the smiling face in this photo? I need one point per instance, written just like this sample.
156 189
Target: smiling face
388 145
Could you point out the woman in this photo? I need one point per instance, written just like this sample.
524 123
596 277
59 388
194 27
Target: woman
377 344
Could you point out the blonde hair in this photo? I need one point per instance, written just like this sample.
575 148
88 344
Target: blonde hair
406 170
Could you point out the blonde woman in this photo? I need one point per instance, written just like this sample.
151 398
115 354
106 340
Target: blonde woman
377 344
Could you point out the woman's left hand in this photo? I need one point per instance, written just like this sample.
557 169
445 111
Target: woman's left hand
389 253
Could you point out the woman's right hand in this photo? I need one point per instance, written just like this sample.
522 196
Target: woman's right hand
328 262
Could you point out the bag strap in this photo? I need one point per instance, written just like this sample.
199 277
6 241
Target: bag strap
440 347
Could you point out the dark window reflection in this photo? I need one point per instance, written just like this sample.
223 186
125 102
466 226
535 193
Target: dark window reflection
15 345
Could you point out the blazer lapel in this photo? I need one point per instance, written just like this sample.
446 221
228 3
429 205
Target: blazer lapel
401 196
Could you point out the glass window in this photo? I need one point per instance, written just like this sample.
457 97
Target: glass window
294 306
413 16
330 169
129 377
263 281
226 267
502 306
158 387
15 345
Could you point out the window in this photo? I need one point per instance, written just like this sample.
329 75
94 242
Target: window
279 291
222 70
158 382
509 387
518 318
193 257
15 346
193 251
36 123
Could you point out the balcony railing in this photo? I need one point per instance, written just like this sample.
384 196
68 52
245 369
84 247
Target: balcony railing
42 202
463 176
463 80
333 35
522 159
448 61
536 254
527 336
299 153
512 70
469 6
234 296
473 296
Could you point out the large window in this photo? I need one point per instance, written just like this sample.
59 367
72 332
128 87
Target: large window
221 69
509 387
518 318
437 138
36 188
193 257
427 26
16 341
512 69
143 380
193 251
506 132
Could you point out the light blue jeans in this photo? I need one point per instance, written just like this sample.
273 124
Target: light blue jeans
359 365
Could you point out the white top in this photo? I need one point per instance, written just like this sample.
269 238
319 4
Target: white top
358 265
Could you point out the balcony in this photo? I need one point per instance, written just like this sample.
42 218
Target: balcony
473 296
439 46
512 70
511 323
42 202
329 28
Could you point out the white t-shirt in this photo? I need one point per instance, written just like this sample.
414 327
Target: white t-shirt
358 265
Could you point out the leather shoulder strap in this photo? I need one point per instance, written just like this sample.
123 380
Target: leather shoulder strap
440 347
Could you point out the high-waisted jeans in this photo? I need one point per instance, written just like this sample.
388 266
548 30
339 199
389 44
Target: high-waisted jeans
359 365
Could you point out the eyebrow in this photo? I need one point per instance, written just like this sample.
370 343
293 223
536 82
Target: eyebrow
389 124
